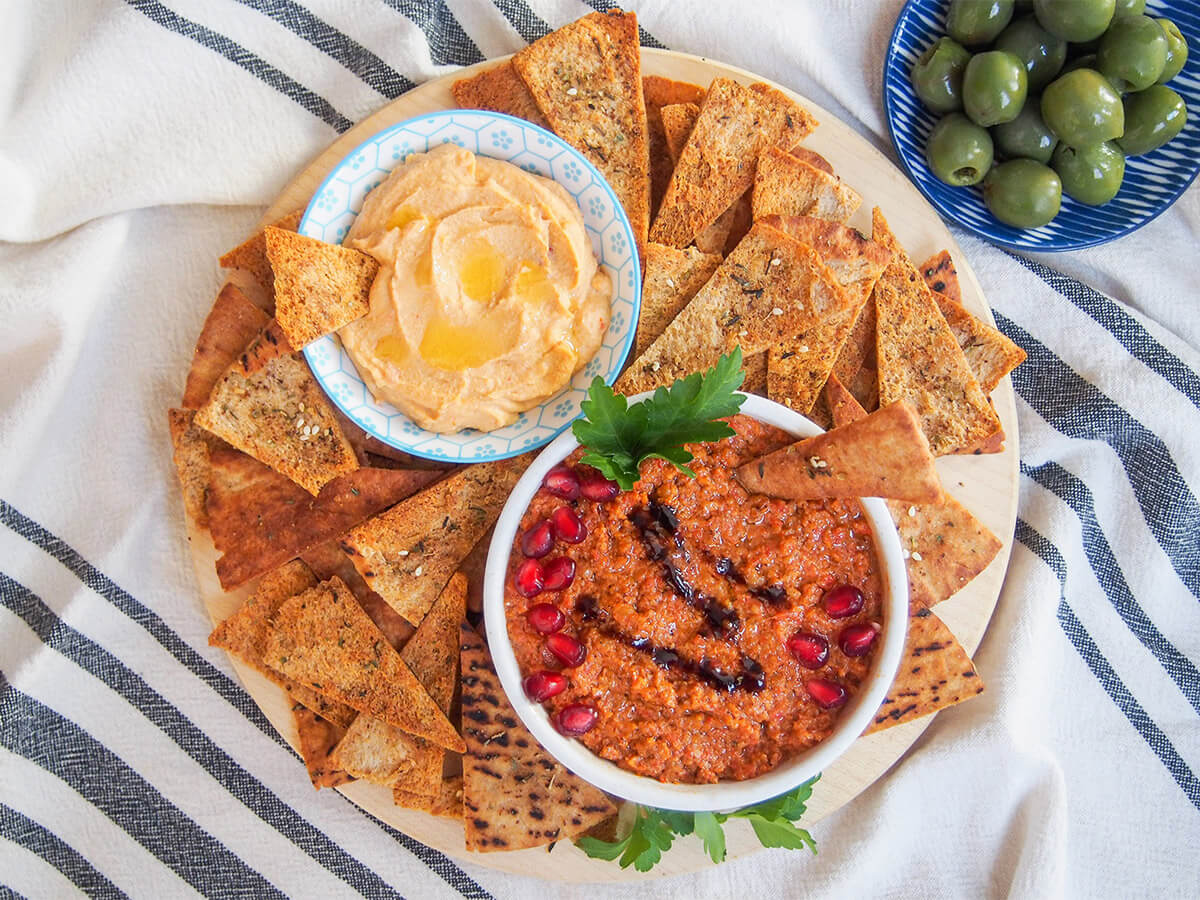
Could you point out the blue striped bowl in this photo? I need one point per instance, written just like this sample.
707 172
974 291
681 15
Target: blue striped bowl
1152 182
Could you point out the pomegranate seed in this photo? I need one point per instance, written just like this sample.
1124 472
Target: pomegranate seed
546 618
567 525
529 579
538 540
541 686
566 649
857 640
844 600
811 650
828 694
575 719
560 572
596 487
561 481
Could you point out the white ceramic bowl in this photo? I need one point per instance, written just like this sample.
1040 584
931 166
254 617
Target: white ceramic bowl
725 795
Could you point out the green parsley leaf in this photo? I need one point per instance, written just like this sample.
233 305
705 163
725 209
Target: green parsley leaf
679 822
598 849
781 833
709 830
642 848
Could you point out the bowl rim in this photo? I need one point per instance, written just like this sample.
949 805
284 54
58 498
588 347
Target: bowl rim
725 795
621 217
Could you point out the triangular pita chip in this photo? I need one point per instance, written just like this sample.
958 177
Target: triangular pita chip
865 387
755 367
814 159
323 638
882 455
587 80
515 795
672 278
473 567
989 352
859 349
319 287
447 802
408 553
935 672
854 260
657 93
941 276
678 120
232 324
327 560
499 89
317 736
192 446
251 256
787 186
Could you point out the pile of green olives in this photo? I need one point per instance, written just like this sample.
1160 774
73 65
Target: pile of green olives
1050 101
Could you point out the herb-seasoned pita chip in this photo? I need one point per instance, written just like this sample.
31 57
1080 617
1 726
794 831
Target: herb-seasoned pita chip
883 455
657 93
192 446
317 737
499 89
269 405
935 672
859 349
232 323
989 352
323 638
244 634
843 408
787 186
755 381
447 802
327 560
672 279
864 386
319 287
678 120
515 795
767 290
251 255
408 553
854 260
919 359
260 520
587 80
814 159
473 568
941 276
717 164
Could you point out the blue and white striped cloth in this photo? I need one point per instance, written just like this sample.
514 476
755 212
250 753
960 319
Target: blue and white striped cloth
140 138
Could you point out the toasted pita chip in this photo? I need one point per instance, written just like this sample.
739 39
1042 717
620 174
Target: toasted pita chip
859 349
883 455
854 260
657 93
408 553
941 276
586 78
499 89
244 634
678 120
935 672
865 388
319 287
323 638
843 408
232 324
269 405
989 352
770 288
814 159
515 795
919 359
672 278
448 801
327 560
787 186
192 445
717 164
251 256
317 736
260 520
473 567
755 367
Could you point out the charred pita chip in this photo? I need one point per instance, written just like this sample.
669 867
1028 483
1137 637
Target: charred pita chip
882 455
941 276
327 560
192 446
317 737
251 255
989 352
408 553
935 672
232 324
672 279
586 78
447 802
785 185
322 638
769 289
259 519
499 89
515 795
717 164
269 405
657 93
319 287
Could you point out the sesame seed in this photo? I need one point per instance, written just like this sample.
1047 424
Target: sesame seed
670 282
304 437
572 91
775 260
743 333
815 461
777 311
657 365
916 556
912 510
404 553
417 571
803 348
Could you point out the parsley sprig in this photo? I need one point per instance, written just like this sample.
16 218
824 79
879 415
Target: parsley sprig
617 437
654 830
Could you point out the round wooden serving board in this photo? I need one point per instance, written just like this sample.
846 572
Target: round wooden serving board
986 485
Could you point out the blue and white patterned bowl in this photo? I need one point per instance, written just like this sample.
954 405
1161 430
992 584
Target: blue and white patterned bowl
1152 182
340 198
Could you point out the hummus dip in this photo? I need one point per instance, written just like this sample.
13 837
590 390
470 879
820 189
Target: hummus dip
488 298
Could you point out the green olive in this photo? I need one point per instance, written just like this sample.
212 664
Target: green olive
975 22
1075 20
1129 8
1091 175
959 152
1023 193
1042 52
1087 61
938 73
1132 53
1152 117
994 87
1026 135
1082 108
1177 51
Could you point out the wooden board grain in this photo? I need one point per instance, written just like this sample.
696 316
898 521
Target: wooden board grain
987 485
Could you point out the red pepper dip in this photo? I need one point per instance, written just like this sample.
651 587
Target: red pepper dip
686 630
